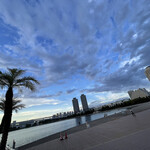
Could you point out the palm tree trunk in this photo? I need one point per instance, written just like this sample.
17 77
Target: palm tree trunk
7 120
2 124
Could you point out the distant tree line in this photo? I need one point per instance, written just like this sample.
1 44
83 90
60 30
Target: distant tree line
126 103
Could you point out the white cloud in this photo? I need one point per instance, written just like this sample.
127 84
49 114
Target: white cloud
87 39
109 96
130 61
29 102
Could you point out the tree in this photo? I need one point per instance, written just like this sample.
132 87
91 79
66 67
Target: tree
15 107
11 79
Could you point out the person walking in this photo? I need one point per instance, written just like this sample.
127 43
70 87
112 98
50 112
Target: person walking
133 114
14 144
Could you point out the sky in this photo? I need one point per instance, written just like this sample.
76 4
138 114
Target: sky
99 48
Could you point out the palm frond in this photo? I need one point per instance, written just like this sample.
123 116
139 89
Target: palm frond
11 79
27 82
15 106
28 85
18 107
5 79
27 79
15 73
2 105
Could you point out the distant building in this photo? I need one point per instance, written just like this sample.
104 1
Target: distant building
64 114
138 93
22 124
54 117
13 125
84 102
147 72
75 105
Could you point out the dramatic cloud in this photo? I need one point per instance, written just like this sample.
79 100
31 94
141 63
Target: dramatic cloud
79 45
71 91
105 98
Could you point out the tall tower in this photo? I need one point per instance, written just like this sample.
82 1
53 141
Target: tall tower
147 72
84 102
75 105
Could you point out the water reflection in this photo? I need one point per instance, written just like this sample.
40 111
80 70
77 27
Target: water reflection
29 135
83 119
78 121
88 118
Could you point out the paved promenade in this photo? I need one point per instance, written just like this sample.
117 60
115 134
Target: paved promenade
126 133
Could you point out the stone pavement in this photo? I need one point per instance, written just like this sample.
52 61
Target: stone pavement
126 133
135 141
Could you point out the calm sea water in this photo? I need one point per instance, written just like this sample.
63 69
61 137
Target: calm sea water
28 135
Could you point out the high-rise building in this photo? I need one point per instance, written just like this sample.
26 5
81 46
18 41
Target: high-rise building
84 102
138 93
147 72
75 105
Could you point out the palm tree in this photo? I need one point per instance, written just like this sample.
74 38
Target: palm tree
11 79
15 107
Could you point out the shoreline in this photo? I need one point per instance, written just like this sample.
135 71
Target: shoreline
135 108
71 130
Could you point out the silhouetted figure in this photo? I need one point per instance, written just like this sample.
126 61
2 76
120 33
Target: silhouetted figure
133 114
14 144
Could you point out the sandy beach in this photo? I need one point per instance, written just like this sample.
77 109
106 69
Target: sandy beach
101 131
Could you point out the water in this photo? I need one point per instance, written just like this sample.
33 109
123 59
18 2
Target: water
29 135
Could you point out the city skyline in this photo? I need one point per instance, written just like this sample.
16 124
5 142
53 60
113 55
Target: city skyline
75 104
96 47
